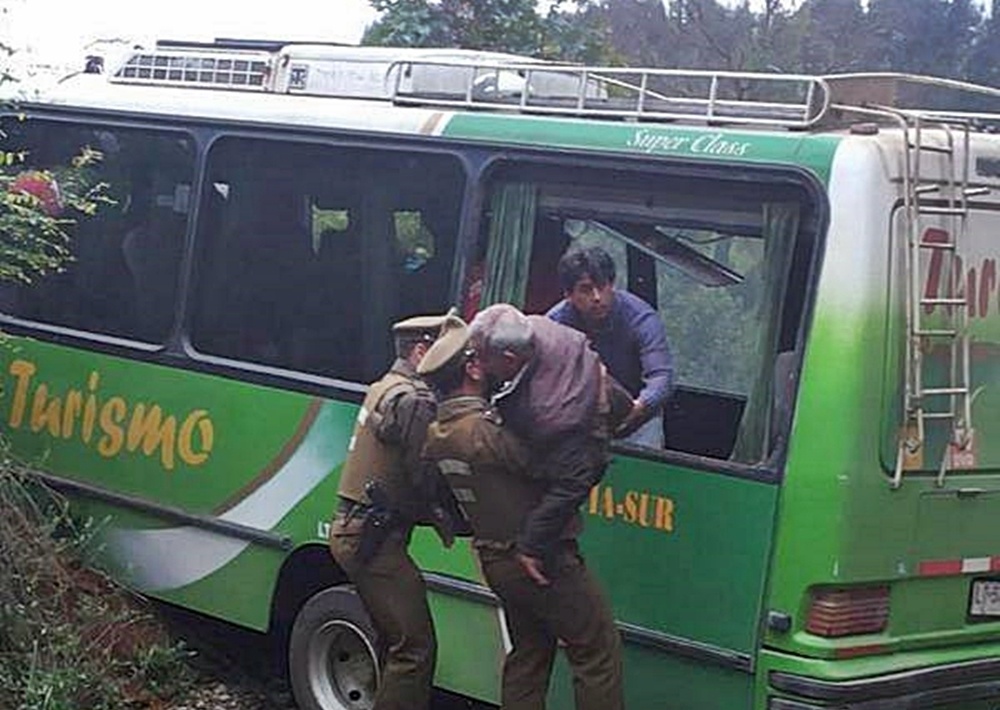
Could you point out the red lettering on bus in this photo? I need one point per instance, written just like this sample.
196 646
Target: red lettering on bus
981 282
970 289
987 286
936 265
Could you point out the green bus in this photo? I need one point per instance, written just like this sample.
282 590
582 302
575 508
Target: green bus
820 529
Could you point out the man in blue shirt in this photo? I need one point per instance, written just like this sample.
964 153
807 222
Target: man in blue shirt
626 332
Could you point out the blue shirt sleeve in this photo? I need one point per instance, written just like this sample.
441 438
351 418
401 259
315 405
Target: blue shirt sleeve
560 313
645 329
654 356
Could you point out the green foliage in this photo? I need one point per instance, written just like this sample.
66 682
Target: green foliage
984 58
713 330
923 36
69 638
405 23
571 30
38 207
413 237
949 38
328 224
578 31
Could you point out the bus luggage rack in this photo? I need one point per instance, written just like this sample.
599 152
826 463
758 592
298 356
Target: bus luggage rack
228 69
786 100
472 80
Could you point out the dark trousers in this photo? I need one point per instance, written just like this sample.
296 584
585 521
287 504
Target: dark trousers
394 593
572 609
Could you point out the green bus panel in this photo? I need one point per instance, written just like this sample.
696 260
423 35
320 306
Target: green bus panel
470 646
659 681
808 151
702 577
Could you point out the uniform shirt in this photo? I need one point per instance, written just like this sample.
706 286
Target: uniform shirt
488 468
632 342
388 438
406 415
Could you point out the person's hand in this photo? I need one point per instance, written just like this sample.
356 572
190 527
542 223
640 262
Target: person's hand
532 567
633 420
443 525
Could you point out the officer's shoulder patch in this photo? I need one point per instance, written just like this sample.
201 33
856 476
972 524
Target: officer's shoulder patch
398 390
493 416
454 467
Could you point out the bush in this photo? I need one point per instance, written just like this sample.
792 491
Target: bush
69 637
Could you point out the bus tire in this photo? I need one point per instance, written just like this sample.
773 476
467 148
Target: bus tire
333 661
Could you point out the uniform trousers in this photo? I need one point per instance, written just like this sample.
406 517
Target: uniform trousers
396 598
572 609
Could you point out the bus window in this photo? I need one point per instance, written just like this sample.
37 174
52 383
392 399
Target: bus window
714 259
123 278
326 224
314 251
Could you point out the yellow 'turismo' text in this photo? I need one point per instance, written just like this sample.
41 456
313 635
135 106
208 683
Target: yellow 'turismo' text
109 424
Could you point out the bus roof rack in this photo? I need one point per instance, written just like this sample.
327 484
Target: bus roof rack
264 45
795 100
910 95
491 81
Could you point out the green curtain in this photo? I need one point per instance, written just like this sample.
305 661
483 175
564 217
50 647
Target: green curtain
781 225
508 254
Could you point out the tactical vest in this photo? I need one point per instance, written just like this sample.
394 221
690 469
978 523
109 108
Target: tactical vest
368 457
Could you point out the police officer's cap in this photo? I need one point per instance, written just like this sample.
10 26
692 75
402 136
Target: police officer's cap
421 326
452 343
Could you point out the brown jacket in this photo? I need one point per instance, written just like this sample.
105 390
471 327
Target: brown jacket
558 391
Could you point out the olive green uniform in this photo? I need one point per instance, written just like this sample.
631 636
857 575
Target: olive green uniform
385 449
489 471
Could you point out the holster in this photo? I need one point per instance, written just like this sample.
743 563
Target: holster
380 520
446 516
437 508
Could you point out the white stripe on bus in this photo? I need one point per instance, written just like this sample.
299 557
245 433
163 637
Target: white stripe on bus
170 558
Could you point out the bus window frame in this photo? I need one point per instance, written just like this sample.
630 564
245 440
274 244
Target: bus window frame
177 350
282 376
813 229
104 342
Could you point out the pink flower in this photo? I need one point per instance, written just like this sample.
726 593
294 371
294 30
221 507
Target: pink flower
42 187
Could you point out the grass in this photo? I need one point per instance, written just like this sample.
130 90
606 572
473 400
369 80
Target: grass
70 638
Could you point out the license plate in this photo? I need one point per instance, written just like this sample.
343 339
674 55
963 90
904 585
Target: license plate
985 598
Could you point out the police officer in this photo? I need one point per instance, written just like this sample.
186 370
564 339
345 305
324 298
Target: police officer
490 471
384 490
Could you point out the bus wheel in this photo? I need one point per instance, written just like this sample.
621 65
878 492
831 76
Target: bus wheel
332 658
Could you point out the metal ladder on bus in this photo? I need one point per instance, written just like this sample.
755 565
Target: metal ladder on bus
923 403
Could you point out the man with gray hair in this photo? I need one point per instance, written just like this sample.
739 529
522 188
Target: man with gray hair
556 395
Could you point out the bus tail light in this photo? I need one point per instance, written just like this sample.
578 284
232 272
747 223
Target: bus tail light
843 611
